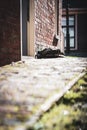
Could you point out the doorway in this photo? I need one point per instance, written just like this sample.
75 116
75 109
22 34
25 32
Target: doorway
25 18
27 22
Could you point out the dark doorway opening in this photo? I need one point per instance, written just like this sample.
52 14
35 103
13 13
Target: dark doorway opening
25 18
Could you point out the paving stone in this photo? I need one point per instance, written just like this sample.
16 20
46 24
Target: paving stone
32 82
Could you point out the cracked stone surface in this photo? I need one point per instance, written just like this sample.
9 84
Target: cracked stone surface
27 84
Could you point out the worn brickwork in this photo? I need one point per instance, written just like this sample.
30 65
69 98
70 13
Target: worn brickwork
47 23
9 31
44 21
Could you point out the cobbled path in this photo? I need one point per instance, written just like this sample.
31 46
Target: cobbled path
29 87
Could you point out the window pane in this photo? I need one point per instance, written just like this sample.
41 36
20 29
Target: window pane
71 20
64 31
71 32
71 42
64 21
65 42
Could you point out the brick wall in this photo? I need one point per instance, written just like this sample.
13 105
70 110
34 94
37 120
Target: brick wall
47 23
44 21
9 31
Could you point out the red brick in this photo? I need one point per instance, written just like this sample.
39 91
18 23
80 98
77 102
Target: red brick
9 31
45 20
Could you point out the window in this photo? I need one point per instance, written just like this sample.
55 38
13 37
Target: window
71 30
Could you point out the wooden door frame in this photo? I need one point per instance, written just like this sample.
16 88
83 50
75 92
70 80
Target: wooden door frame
30 29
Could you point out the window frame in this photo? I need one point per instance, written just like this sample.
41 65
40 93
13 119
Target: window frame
70 26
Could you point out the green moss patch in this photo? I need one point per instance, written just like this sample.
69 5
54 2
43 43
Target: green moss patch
70 113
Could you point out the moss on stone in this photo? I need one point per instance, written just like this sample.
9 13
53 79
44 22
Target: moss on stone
68 114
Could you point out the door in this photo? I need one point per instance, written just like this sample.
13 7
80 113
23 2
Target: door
25 8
